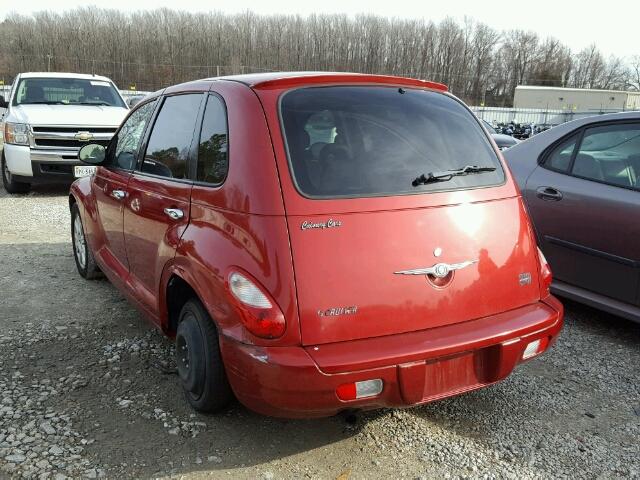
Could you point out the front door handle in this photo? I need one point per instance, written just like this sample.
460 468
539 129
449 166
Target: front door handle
118 194
174 213
549 193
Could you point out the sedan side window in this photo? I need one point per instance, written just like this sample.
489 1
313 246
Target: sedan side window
128 141
560 157
213 154
168 149
610 154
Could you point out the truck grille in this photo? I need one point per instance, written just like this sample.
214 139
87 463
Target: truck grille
64 144
69 138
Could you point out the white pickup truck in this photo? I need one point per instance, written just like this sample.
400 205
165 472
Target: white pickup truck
48 117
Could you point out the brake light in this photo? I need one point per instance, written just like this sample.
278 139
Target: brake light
258 312
545 275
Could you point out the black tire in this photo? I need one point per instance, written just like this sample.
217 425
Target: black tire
85 262
198 360
10 185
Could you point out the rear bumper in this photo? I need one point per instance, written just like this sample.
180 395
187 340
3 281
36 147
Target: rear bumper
416 367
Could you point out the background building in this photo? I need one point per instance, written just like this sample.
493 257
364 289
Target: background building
574 99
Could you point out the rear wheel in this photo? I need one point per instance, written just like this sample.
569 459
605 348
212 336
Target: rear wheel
198 360
82 254
10 185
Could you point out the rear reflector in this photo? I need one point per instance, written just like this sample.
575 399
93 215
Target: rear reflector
355 390
534 348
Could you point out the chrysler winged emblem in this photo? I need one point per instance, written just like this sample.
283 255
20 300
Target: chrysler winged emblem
439 270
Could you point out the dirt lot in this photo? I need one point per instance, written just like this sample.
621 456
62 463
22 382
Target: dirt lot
87 389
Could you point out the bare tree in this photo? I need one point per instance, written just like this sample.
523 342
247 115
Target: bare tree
152 49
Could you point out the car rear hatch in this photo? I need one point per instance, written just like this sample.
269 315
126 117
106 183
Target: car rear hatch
375 255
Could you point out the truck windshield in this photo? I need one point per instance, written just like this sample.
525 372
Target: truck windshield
363 141
67 91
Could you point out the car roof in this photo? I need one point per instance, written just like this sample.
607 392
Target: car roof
563 128
81 76
538 143
294 79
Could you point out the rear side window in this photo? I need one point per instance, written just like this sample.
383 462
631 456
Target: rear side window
213 155
167 152
560 157
365 141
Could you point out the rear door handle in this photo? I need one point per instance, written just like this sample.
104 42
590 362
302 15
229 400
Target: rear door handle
174 213
118 194
549 193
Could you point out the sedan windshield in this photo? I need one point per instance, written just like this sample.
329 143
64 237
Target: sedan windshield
362 141
67 91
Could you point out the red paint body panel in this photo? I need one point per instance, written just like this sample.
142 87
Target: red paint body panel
108 232
216 242
423 342
151 236
287 382
377 244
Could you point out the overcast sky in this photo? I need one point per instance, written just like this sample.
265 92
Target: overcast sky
612 25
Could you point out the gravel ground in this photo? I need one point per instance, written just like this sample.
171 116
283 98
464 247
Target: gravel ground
87 389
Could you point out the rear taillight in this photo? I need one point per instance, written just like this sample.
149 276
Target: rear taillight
258 312
545 275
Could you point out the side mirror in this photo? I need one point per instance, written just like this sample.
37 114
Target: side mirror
92 153
3 102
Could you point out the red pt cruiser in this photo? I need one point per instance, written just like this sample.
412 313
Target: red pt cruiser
317 242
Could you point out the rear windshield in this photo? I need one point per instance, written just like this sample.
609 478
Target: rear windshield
67 91
363 141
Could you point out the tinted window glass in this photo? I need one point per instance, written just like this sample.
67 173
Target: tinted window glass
367 141
126 145
168 149
560 158
610 154
213 148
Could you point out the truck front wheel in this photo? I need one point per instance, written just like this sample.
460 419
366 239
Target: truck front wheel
10 185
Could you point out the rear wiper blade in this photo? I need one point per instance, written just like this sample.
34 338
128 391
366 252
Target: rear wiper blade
432 177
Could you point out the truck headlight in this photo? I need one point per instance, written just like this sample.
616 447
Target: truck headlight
16 133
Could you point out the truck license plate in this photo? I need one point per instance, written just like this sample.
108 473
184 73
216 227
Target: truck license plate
82 171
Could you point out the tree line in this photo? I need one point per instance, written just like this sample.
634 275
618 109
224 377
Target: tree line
152 49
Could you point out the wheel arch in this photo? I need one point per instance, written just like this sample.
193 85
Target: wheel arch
177 287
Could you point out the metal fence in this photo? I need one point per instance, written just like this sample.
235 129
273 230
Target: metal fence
550 118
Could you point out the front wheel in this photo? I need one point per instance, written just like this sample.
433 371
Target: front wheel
85 261
198 360
8 181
